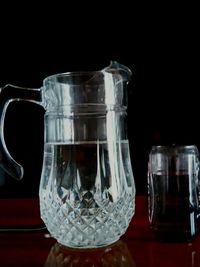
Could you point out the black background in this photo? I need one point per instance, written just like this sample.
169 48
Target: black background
158 43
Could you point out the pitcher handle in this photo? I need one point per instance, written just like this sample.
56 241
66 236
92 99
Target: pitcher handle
8 94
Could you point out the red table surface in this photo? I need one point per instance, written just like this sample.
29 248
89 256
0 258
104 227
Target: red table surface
137 247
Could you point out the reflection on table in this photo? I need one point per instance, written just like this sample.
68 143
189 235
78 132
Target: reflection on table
114 255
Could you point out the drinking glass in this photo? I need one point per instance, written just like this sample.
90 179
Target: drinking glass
173 191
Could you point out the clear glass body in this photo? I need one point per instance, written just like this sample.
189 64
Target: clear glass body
173 182
87 190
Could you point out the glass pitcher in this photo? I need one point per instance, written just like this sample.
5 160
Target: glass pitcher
87 189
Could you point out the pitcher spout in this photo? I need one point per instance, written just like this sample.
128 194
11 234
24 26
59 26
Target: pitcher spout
118 69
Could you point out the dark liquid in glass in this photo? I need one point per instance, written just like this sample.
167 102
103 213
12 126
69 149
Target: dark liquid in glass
174 206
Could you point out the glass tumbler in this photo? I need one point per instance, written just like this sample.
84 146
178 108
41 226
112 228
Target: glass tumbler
173 191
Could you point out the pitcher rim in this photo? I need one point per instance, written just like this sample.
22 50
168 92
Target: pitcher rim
72 73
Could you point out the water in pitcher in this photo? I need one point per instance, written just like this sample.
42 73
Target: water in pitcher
86 195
